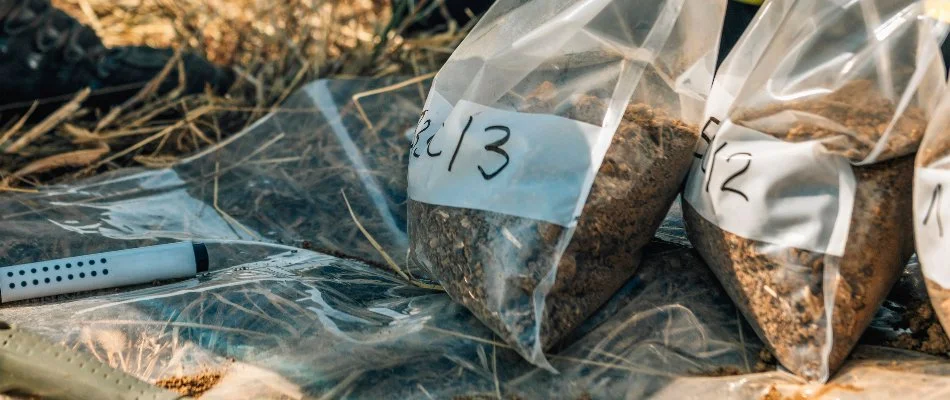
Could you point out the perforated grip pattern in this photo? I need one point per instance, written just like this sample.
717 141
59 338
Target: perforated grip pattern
102 271
32 365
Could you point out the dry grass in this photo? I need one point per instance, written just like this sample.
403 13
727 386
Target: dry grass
274 46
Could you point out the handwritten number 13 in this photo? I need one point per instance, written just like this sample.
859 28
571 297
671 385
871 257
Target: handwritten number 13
494 147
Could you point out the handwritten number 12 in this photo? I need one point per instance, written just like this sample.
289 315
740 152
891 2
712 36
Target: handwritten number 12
725 184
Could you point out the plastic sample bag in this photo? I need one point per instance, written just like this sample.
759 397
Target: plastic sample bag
801 200
525 204
931 208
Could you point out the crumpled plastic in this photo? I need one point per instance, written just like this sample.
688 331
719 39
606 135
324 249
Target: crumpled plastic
281 321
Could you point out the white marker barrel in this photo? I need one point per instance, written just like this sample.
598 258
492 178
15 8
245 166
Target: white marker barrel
102 271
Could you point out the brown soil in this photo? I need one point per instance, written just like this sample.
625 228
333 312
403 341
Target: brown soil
191 385
782 291
774 394
765 362
729 370
936 341
855 106
472 251
935 146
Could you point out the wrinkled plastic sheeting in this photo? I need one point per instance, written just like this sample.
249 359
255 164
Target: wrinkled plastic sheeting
281 321
281 181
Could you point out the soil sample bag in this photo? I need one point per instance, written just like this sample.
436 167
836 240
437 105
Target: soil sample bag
932 208
551 146
800 196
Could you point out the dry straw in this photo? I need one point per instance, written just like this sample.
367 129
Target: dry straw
273 46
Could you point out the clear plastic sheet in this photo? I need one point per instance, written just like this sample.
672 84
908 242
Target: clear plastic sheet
285 322
281 181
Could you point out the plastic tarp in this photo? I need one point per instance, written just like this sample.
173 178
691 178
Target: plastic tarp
280 318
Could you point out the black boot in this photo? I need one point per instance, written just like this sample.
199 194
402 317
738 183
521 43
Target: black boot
45 53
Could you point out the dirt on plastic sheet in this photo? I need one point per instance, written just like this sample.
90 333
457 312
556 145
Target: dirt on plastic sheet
763 363
191 385
781 290
626 205
775 394
936 341
923 330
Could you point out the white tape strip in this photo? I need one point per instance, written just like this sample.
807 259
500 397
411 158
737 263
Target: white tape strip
528 165
761 188
931 229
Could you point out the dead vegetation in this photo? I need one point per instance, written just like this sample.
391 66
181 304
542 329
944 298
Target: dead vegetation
274 47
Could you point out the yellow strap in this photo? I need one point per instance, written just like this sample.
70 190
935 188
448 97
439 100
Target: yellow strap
938 9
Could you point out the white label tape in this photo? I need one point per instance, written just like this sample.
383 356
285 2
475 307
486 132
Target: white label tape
931 229
528 165
758 187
